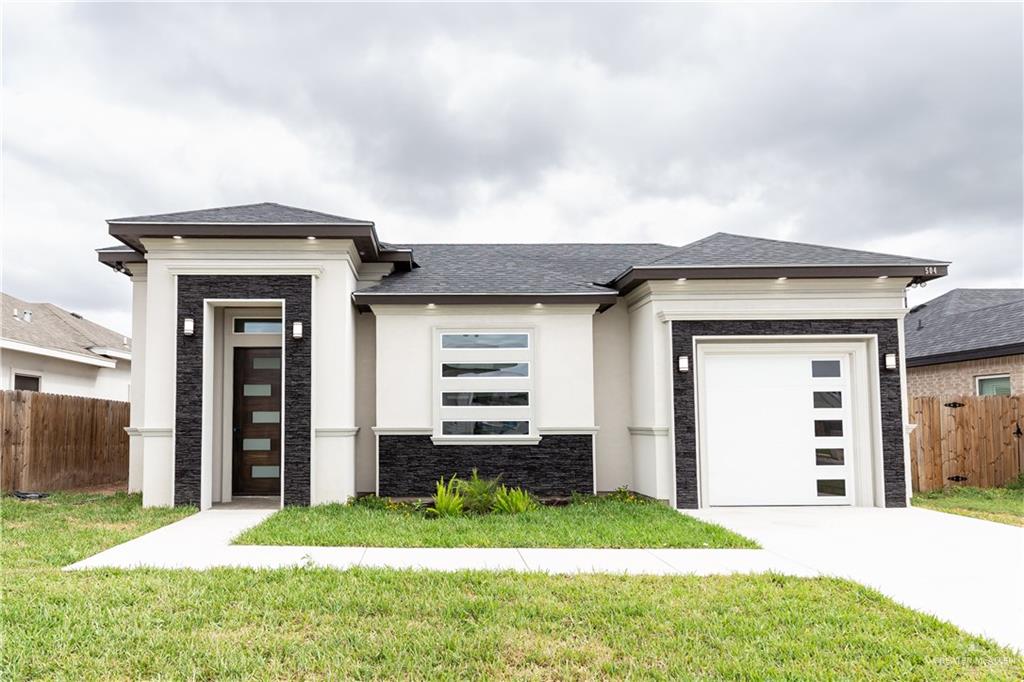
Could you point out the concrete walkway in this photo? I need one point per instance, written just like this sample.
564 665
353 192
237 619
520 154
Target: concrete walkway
965 571
203 541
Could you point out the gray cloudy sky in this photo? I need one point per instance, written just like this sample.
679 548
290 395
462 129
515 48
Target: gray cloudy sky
885 127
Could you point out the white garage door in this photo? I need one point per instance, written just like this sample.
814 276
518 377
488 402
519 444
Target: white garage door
778 428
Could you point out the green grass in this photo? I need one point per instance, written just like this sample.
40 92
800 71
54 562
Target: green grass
379 624
1004 505
596 522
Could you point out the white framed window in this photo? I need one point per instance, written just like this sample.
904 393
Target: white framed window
994 384
483 382
23 380
256 324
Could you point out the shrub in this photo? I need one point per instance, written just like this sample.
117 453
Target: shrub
447 499
513 501
1016 484
478 493
623 494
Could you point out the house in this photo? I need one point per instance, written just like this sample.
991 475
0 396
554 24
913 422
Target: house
967 342
290 352
46 348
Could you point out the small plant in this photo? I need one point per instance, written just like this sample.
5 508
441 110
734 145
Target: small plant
447 499
372 502
513 501
478 493
623 494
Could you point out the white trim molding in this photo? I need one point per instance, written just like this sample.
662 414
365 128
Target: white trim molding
402 430
568 430
245 268
485 440
336 431
32 349
648 430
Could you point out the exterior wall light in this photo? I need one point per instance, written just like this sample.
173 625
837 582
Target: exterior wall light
296 330
188 327
684 363
890 361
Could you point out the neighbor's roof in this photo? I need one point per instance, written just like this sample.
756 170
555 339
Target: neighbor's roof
266 213
966 323
57 329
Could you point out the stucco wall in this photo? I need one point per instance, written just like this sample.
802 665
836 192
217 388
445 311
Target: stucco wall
366 403
612 398
958 378
66 377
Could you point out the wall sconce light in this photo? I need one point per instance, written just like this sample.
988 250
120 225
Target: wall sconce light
296 330
684 363
890 361
188 327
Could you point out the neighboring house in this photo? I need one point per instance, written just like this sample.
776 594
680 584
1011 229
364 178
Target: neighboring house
286 351
46 348
967 342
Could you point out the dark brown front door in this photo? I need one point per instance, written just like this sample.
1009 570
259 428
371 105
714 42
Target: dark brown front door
257 422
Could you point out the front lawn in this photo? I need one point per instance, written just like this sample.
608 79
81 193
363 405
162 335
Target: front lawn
588 522
308 623
1005 505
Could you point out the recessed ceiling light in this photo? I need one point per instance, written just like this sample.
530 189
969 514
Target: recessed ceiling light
882 278
311 238
781 279
681 279
177 236
431 305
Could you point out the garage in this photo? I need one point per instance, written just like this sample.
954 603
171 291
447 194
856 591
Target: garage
784 424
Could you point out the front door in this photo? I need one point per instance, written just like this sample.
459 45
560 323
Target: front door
257 422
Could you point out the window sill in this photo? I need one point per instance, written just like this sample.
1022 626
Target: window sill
485 440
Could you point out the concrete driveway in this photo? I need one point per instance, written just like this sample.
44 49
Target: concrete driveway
965 571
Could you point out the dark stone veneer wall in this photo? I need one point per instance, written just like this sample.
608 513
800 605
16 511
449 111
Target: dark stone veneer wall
686 414
411 465
296 290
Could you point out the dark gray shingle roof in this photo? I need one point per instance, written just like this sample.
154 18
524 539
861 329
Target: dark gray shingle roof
265 213
516 268
966 320
724 249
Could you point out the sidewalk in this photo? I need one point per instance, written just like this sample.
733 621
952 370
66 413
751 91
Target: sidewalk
202 541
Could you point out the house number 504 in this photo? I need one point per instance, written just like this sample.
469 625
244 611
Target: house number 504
931 270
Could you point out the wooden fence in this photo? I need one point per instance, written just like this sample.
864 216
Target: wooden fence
56 442
966 440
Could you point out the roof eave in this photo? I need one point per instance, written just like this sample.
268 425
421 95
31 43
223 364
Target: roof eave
634 276
364 299
968 354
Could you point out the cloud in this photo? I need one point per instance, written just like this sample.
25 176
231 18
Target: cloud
890 127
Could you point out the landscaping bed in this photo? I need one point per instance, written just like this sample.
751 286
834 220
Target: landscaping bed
305 623
1003 505
621 520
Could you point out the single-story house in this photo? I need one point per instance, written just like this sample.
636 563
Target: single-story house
48 349
967 342
289 352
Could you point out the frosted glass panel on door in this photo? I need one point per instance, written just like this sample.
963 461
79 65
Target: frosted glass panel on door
266 417
255 443
256 390
266 363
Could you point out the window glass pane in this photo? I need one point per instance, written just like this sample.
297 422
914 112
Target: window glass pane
492 399
257 325
825 368
828 428
266 471
994 386
485 340
266 363
255 443
485 428
266 417
256 389
831 487
485 369
25 383
828 399
828 456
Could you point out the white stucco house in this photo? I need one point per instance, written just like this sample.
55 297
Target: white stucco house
287 352
48 349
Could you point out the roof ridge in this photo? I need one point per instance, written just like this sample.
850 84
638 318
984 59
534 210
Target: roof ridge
169 214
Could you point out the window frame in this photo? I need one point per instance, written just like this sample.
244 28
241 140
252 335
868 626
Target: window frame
980 378
234 318
15 373
483 384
